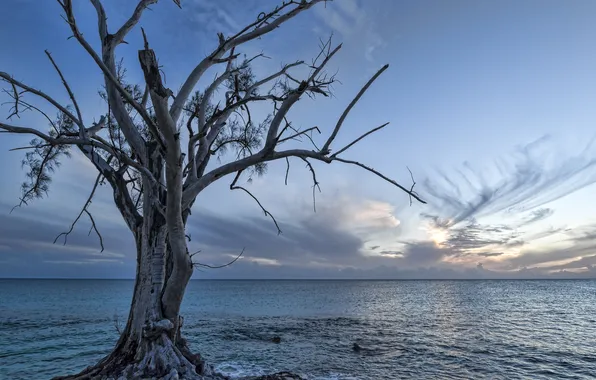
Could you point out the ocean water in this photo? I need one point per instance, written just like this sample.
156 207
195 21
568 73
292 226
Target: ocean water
407 329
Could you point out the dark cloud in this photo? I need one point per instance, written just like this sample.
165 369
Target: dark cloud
311 246
490 254
27 249
534 175
423 254
300 242
477 236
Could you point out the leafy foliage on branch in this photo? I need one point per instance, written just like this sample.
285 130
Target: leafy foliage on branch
43 160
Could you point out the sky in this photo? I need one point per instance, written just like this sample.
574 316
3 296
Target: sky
492 106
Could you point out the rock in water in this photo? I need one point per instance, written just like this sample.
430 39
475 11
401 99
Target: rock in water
276 339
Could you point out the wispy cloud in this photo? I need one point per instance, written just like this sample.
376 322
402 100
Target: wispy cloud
536 216
534 175
351 21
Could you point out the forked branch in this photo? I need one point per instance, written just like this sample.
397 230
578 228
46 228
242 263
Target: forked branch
343 116
265 23
85 210
316 83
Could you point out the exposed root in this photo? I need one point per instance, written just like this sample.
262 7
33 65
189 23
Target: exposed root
157 358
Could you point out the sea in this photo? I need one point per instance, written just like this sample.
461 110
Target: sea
406 329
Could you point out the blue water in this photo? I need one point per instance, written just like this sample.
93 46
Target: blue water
408 329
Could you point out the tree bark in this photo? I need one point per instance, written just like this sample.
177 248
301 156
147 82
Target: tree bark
151 346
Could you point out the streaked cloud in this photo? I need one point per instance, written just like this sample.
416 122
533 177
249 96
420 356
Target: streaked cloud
534 175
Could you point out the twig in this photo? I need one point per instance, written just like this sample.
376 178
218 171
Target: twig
287 170
84 210
233 186
70 94
413 184
94 228
117 324
16 95
315 183
410 192
29 147
358 139
219 266
43 95
298 133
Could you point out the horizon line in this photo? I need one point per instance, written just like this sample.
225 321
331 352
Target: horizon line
314 279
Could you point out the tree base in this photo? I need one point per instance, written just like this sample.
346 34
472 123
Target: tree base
155 359
158 359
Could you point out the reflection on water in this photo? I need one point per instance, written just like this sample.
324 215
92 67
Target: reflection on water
407 329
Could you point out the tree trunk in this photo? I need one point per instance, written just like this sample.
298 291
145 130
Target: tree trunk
151 346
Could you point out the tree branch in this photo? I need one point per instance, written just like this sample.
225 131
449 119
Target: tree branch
378 174
358 139
119 36
70 94
291 99
297 134
233 186
85 210
43 95
276 75
82 142
315 183
114 89
262 27
325 148
287 170
217 266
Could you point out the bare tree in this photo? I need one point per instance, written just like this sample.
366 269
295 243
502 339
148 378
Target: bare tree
137 148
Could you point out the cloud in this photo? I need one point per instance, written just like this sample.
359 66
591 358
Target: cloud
353 23
537 215
534 175
490 254
321 245
211 17
27 240
303 240
422 254
588 262
552 257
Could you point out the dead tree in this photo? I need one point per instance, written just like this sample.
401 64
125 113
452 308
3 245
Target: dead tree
155 150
